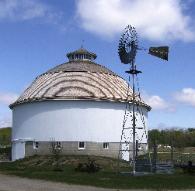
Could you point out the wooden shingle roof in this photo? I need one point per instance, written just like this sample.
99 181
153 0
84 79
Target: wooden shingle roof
77 80
81 66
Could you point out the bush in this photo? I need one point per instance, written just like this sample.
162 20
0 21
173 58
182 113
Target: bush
5 153
91 166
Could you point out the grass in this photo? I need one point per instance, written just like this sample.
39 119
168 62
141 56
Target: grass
43 168
180 156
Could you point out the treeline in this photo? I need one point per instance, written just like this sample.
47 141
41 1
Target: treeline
176 137
5 136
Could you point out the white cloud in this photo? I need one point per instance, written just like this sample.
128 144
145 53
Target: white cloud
7 98
186 95
25 10
5 121
156 102
5 113
154 20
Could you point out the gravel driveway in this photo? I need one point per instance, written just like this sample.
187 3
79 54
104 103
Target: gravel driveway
14 183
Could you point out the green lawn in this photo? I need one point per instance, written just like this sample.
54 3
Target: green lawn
43 168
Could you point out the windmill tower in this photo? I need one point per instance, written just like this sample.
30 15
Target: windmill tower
130 135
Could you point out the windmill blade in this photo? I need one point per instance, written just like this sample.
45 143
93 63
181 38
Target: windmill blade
124 56
160 52
128 45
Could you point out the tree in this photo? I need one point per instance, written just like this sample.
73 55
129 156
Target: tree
56 149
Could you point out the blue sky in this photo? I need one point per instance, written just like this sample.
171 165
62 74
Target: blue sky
35 35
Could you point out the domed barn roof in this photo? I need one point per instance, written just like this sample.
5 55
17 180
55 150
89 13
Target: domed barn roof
79 79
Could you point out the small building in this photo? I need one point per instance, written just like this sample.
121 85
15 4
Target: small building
79 104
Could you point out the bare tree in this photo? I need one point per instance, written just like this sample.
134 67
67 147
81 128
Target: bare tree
56 150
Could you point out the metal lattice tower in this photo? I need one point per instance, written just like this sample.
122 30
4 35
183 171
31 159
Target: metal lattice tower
132 132
130 138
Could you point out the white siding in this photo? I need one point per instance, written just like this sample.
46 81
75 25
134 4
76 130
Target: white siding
18 150
71 121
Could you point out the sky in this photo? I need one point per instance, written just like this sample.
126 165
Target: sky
36 35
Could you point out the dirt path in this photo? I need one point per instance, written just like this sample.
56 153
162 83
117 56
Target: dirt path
14 183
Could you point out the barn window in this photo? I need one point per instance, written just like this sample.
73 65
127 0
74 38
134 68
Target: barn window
81 145
35 145
106 145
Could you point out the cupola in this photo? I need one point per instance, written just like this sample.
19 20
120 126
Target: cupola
81 54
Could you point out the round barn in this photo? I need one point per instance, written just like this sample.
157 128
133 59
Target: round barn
78 104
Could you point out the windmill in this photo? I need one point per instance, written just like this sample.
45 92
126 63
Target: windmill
127 50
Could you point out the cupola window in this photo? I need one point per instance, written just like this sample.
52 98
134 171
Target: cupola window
81 54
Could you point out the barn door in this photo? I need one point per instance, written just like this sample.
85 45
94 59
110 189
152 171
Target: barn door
18 150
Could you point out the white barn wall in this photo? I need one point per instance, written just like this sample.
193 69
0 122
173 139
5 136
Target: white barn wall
70 121
93 121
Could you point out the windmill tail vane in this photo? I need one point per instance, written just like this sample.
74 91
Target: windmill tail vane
160 52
